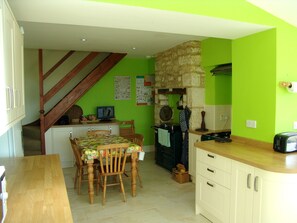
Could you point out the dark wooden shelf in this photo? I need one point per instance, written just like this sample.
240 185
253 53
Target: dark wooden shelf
172 91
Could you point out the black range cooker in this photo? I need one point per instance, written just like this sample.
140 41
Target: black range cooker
168 156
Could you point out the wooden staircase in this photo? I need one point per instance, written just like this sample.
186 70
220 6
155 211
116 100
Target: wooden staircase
48 119
31 140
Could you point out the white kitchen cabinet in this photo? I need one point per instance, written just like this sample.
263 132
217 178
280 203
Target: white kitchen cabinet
81 130
213 176
19 96
57 142
57 139
230 191
192 154
260 196
243 189
12 77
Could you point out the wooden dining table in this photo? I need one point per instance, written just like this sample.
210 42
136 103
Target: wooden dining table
88 146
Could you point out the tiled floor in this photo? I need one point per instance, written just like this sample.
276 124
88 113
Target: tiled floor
161 200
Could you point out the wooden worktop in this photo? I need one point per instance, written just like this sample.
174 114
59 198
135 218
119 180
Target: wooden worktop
36 190
254 153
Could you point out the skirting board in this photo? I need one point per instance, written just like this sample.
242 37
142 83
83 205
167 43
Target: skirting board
149 148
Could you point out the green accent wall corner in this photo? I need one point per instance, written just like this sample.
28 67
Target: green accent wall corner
102 94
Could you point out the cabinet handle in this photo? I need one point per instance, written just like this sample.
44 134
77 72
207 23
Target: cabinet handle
8 99
209 184
248 181
211 156
210 170
256 186
12 98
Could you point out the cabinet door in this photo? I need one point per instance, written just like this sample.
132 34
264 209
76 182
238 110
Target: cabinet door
275 197
61 145
3 113
242 190
8 48
11 47
80 131
115 130
19 102
213 198
192 154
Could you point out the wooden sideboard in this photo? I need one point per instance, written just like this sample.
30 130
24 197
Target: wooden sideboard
36 190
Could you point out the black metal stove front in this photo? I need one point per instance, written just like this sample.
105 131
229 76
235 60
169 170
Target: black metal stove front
168 156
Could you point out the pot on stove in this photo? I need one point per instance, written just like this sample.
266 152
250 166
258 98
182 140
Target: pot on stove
165 113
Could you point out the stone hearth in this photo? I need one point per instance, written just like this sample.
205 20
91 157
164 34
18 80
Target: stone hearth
180 68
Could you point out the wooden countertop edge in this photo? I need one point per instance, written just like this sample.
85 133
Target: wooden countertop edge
252 152
86 124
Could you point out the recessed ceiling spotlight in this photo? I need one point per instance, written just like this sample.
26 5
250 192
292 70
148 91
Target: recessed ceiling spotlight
83 39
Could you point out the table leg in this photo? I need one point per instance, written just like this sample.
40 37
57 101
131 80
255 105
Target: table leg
91 180
133 173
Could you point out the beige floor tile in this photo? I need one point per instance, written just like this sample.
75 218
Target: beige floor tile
161 199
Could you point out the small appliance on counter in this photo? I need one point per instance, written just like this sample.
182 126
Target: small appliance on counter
285 142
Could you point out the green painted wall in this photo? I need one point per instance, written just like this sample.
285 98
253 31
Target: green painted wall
103 94
259 61
254 80
217 88
286 112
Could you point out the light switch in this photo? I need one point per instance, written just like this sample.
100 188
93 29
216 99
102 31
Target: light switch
251 124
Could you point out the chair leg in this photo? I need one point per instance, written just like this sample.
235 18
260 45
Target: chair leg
122 187
79 181
104 190
75 178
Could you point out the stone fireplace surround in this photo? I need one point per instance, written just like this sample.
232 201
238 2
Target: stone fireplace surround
180 68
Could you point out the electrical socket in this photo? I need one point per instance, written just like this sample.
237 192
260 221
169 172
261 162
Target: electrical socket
251 124
223 117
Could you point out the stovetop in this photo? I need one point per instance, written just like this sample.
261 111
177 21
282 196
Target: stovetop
168 126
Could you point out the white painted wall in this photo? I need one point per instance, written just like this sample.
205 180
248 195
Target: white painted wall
11 142
50 58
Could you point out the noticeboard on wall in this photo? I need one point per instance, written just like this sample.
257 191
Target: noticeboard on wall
122 87
144 89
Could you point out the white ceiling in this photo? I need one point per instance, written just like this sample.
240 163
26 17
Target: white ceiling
61 24
283 9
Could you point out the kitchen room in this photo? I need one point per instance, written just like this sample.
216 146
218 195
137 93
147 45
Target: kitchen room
254 80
